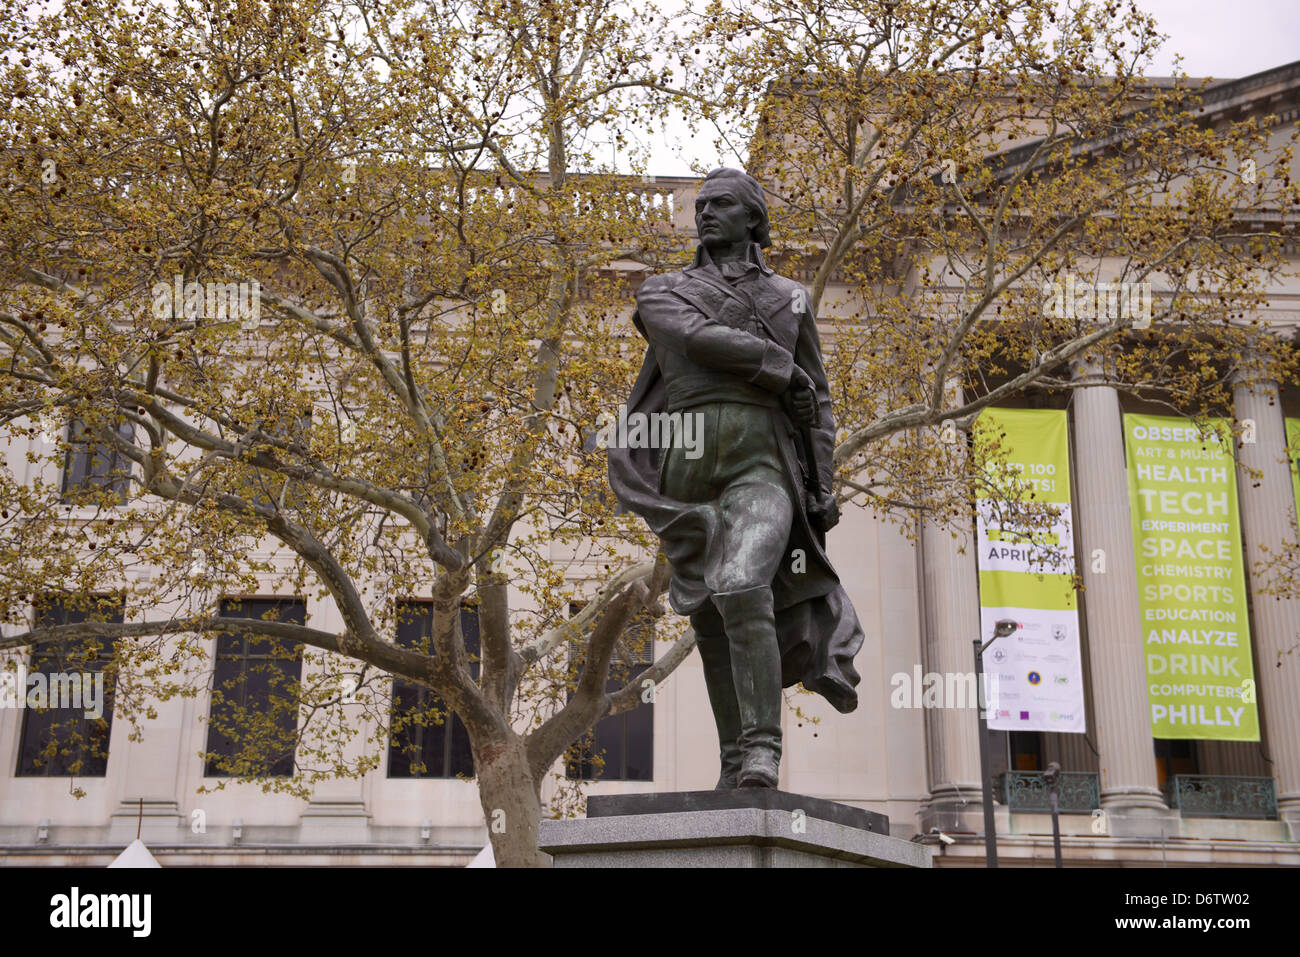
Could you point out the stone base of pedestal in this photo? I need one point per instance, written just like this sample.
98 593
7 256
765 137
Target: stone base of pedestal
746 828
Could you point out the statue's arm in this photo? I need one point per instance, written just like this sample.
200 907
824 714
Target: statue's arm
808 357
669 322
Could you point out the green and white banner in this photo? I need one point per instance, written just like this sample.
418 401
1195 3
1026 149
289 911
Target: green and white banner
1026 567
1293 456
1191 579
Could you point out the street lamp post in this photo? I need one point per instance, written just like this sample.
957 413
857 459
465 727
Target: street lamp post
1003 628
1052 778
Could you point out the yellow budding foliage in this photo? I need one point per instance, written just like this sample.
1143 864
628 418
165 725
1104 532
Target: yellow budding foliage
340 291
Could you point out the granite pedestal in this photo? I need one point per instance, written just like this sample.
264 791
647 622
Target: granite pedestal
750 827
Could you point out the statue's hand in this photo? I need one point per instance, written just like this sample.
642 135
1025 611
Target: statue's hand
824 511
801 399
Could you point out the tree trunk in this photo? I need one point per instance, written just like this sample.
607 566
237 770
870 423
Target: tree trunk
512 806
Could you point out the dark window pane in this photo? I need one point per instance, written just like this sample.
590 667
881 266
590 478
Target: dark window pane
607 745
640 741
62 740
404 746
460 759
253 721
427 739
624 742
91 465
1026 750
1173 757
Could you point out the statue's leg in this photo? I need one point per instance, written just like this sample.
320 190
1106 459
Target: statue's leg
692 480
756 510
756 515
741 473
711 639
756 671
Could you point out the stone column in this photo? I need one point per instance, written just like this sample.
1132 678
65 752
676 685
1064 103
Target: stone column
1269 522
950 617
1120 722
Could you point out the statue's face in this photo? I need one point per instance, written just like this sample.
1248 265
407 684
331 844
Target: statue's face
721 218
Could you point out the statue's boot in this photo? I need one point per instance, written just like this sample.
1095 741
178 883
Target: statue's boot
756 671
711 639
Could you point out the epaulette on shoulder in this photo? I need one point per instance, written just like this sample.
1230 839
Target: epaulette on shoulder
784 283
659 282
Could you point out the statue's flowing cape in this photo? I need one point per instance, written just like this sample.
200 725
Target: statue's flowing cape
816 626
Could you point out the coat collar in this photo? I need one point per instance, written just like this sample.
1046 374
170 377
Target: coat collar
753 254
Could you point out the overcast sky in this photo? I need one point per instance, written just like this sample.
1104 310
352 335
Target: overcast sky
1218 38
1231 39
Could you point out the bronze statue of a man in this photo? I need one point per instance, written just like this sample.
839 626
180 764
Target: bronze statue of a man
743 519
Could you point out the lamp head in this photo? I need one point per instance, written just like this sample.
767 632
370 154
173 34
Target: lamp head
1052 776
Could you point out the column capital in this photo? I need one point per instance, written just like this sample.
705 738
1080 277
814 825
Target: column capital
1256 370
1091 369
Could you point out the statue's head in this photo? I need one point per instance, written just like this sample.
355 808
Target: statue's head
730 208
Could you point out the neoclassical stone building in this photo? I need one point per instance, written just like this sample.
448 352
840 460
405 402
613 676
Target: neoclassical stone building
1192 803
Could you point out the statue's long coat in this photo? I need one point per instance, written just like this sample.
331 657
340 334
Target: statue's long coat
817 629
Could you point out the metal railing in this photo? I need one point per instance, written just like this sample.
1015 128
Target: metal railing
1222 795
1079 792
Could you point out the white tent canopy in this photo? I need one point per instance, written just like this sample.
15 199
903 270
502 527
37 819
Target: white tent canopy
484 858
136 855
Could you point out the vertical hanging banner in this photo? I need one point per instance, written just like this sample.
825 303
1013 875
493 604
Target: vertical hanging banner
1191 579
1026 569
1293 457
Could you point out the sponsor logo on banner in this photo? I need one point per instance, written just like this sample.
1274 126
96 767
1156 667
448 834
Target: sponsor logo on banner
1191 579
1026 569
